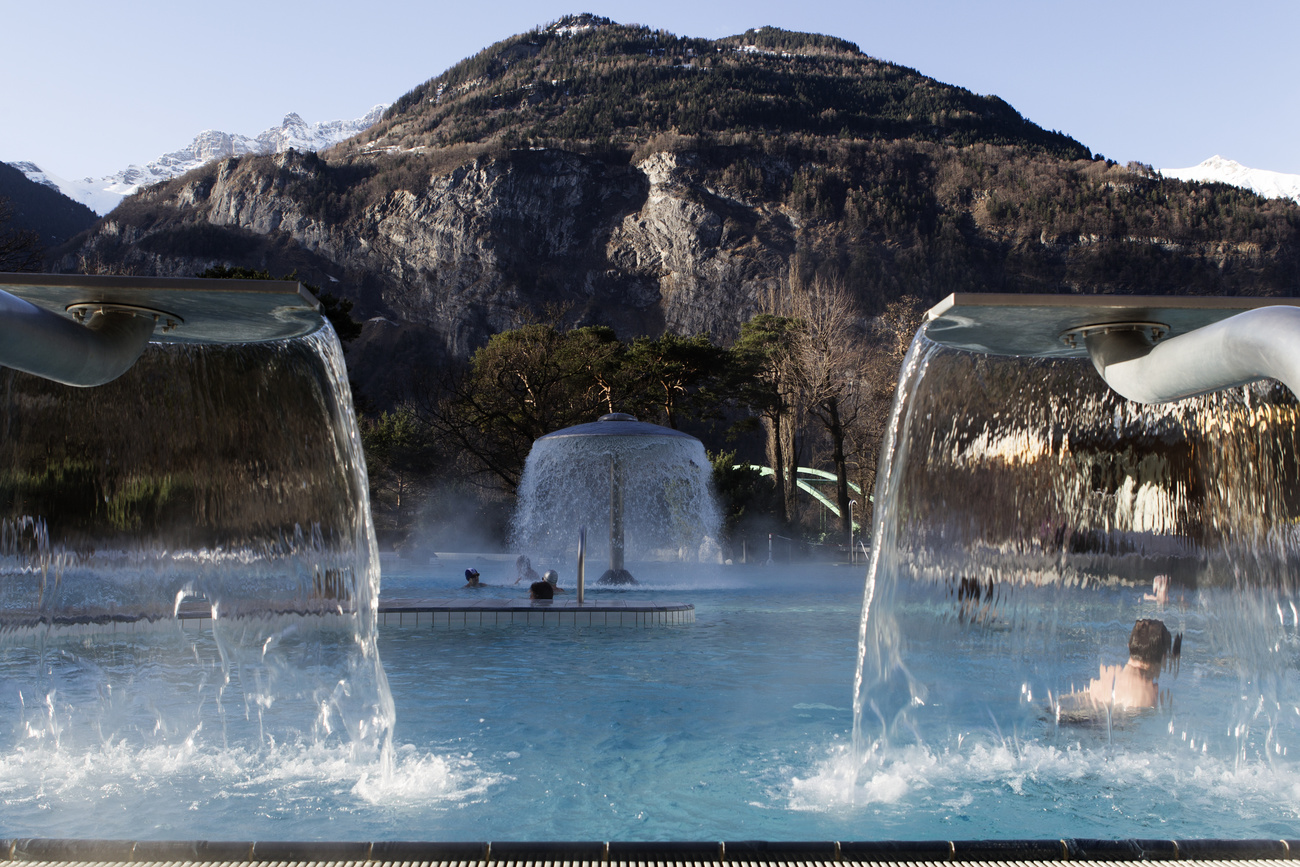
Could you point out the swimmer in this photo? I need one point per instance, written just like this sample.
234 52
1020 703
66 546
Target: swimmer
1132 686
525 571
1159 590
553 578
471 578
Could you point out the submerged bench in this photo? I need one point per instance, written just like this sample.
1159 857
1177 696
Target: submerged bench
393 613
453 613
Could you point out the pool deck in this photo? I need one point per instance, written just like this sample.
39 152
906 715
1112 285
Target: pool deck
1239 853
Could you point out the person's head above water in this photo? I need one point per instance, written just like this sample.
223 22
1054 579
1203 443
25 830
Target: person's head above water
471 576
551 577
541 590
1149 642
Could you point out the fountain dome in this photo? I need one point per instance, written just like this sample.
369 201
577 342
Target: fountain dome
650 484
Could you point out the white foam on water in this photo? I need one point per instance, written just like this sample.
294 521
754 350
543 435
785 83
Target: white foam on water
418 779
921 787
119 777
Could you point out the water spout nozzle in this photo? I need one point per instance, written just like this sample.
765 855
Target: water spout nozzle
1258 344
1148 349
102 344
86 330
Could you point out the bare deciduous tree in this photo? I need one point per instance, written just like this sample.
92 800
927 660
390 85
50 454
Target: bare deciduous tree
828 359
884 350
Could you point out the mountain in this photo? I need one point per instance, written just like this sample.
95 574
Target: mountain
103 194
37 208
597 173
1217 169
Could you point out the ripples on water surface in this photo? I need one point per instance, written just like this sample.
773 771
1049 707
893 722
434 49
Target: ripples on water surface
735 727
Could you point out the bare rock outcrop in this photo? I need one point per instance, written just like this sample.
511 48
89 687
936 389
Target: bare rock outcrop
477 249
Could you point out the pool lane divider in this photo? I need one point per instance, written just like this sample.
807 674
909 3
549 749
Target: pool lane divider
50 850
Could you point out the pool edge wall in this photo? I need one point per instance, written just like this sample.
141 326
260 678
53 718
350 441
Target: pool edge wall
52 850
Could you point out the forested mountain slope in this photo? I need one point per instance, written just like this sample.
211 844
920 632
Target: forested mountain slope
606 174
40 209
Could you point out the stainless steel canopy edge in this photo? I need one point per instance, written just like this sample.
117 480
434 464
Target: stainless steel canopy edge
86 330
205 311
1032 325
1150 349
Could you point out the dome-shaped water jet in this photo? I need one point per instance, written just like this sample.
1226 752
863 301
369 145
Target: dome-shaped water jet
649 482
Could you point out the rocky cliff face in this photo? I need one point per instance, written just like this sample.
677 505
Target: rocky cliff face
642 248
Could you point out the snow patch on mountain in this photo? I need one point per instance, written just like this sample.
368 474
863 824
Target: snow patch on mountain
101 195
1217 169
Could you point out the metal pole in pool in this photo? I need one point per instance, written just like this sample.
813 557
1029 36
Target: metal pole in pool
853 554
582 561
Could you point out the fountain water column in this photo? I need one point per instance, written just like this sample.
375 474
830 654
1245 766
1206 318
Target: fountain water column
615 515
617 572
1146 349
243 346
656 480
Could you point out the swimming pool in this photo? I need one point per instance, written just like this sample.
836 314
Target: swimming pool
734 727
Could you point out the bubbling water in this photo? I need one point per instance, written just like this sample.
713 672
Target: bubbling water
1012 496
228 478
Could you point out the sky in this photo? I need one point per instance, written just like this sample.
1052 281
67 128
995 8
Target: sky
91 87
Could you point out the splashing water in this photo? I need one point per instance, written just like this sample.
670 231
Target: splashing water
1022 513
229 478
669 511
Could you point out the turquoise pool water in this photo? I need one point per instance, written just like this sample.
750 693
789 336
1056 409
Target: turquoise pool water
735 727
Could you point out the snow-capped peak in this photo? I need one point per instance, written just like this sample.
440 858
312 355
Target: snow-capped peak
1273 185
101 195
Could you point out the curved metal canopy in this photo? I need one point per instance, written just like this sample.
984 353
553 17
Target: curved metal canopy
1040 325
188 310
1148 349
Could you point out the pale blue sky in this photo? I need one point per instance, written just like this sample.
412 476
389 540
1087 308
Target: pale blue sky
91 86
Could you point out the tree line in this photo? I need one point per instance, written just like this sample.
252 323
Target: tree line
808 384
